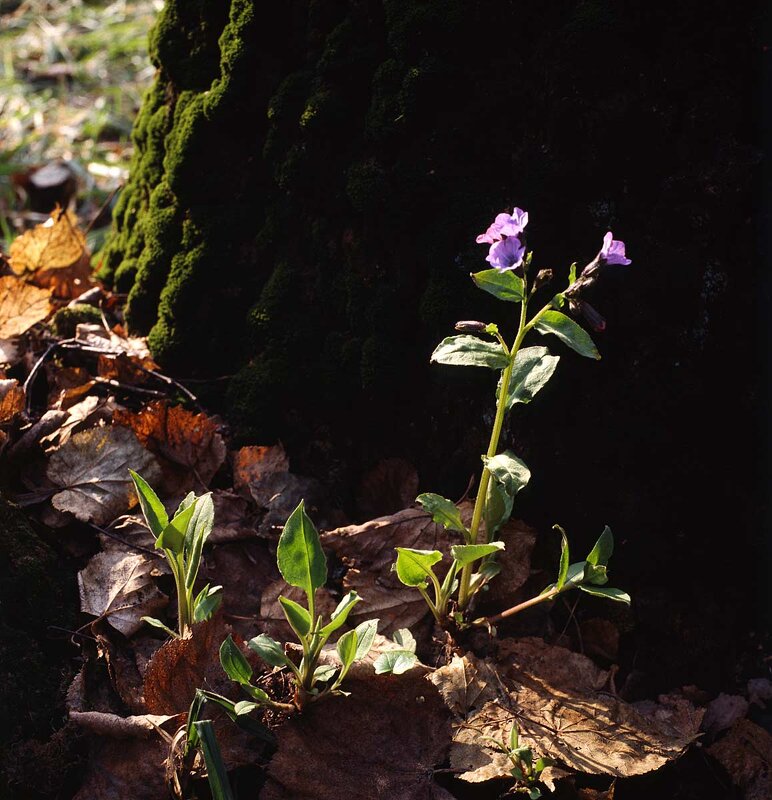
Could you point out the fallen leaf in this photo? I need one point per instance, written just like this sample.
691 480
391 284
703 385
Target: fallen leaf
22 305
54 255
465 683
723 712
139 726
368 551
251 464
86 413
746 754
119 587
234 518
69 385
125 369
92 469
10 353
278 494
558 700
180 666
115 343
11 400
189 444
391 485
396 732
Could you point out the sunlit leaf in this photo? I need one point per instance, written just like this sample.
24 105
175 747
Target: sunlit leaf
571 334
469 351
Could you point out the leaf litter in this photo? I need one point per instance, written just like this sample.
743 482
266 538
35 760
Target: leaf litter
400 728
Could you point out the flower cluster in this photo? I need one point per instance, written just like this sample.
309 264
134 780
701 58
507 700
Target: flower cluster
506 251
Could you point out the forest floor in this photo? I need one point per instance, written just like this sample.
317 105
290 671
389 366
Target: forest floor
105 695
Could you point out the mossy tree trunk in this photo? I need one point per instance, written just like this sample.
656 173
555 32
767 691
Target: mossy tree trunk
308 182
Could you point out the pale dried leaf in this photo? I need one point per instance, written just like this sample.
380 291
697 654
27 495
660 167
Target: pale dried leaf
746 754
86 413
564 712
396 732
120 587
10 352
22 305
465 683
140 726
92 470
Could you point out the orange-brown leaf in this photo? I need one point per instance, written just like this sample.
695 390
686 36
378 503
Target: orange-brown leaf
22 305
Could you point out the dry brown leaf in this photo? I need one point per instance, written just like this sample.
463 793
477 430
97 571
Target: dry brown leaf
563 711
86 413
723 712
251 464
11 400
392 484
396 731
120 587
746 754
600 638
124 369
189 444
465 683
115 343
234 518
22 305
68 385
128 532
92 470
278 495
181 666
368 550
54 255
139 726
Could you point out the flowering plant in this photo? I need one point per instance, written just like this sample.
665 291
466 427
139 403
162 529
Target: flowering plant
524 371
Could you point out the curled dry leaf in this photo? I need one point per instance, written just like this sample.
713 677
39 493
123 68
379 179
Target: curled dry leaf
92 470
368 551
11 400
746 754
252 464
120 587
397 731
189 444
87 413
54 255
558 700
22 305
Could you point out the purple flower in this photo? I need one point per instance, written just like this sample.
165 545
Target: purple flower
505 225
506 254
613 251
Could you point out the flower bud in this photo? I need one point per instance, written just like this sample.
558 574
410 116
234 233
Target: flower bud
543 277
470 326
594 319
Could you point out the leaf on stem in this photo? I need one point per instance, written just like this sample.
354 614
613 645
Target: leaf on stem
568 332
152 508
347 649
395 662
207 601
172 537
299 556
510 475
298 617
607 592
414 567
365 637
564 558
405 639
603 549
469 553
444 512
269 650
339 616
502 285
533 368
234 663
469 351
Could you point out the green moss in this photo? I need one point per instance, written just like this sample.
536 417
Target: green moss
68 318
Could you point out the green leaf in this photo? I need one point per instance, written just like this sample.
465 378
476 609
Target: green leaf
208 600
503 285
152 508
533 367
339 616
514 737
298 617
603 549
469 553
324 672
347 649
395 662
576 573
596 576
217 774
512 473
234 663
572 273
405 640
534 793
299 555
568 332
186 501
444 512
469 351
156 623
415 566
365 637
564 558
172 537
269 650
244 707
607 592
199 528
542 764
498 508
255 693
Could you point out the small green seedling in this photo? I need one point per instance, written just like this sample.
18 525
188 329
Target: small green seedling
523 372
182 541
302 563
525 771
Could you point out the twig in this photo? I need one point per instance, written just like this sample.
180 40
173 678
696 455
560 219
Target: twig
36 368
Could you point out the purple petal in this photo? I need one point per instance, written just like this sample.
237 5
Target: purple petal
504 225
506 254
613 251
